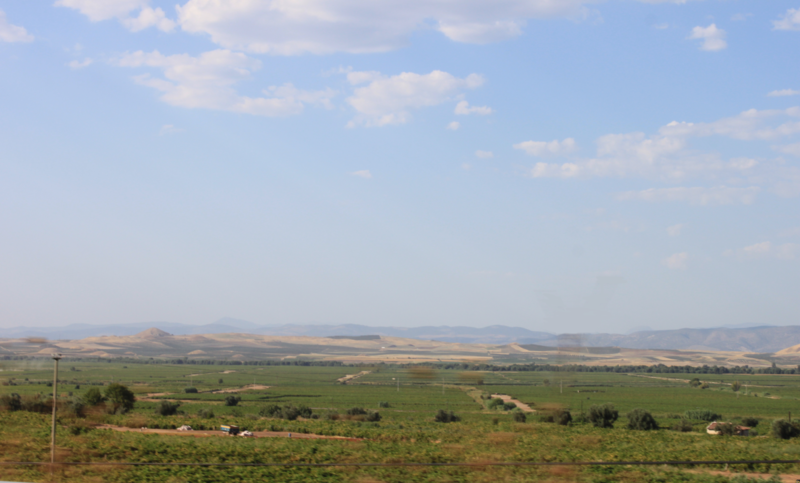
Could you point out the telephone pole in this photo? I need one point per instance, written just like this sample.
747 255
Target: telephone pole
56 358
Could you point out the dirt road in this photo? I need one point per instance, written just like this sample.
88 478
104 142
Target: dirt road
201 434
351 377
506 398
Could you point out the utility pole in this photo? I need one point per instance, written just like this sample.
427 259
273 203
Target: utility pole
562 386
56 358
442 385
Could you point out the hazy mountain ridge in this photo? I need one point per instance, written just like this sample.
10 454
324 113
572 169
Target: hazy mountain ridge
762 339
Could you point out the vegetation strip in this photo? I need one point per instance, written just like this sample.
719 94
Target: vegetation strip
399 464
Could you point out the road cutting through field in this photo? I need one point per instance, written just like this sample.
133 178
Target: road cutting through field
202 434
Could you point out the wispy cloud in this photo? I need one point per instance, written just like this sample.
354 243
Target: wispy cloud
12 33
677 261
713 37
364 173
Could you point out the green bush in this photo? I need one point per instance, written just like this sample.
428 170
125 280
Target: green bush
383 404
356 411
373 417
443 416
750 422
93 397
563 417
232 400
190 390
166 408
703 415
509 406
288 412
726 429
120 398
783 429
494 403
683 426
11 402
603 416
519 417
205 414
641 420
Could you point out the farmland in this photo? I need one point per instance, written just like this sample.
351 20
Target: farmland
406 431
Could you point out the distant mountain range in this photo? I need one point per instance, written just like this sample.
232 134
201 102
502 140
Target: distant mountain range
752 339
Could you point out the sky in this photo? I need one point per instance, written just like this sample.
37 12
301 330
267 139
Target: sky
558 165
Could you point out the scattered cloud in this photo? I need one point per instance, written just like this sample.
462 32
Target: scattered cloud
169 129
661 26
766 249
713 38
75 64
720 195
360 26
788 21
740 17
466 166
364 173
675 230
207 81
463 108
389 100
453 126
99 10
677 261
551 148
784 92
793 149
12 33
484 154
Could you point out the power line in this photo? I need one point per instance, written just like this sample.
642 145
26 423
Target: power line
406 464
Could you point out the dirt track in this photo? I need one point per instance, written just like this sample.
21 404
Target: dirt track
351 377
201 434
524 407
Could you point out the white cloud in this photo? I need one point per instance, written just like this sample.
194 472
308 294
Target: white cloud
713 38
740 17
793 149
75 64
677 261
463 108
784 92
552 148
720 195
466 166
484 154
661 26
453 126
788 21
766 249
99 10
389 100
207 81
748 125
675 230
169 129
359 26
364 173
12 33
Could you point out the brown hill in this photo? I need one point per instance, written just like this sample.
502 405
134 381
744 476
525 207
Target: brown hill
152 333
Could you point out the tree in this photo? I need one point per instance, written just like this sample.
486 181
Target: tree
736 386
750 422
190 390
443 416
783 429
120 397
703 415
562 417
93 397
695 382
603 416
220 380
641 420
232 400
167 408
519 417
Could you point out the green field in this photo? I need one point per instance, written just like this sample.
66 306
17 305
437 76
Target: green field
406 431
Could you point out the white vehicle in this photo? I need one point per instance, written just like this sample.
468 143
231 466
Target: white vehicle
185 428
246 433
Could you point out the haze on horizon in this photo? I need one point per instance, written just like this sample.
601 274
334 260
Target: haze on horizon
571 166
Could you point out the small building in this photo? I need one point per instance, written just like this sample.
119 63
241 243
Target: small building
740 430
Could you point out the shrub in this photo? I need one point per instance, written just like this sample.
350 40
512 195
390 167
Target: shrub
269 411
683 426
205 414
705 385
603 416
443 416
11 402
641 420
726 429
750 422
695 382
219 381
356 411
783 429
373 416
703 415
166 408
190 390
383 404
519 417
493 403
93 397
495 421
563 417
736 386
76 406
288 412
121 398
509 406
232 400
546 418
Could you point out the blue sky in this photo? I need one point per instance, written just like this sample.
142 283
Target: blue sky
564 166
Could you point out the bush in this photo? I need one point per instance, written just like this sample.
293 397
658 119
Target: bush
641 420
76 406
121 398
232 400
93 397
783 429
356 411
563 417
166 408
373 416
726 429
750 422
509 406
736 386
205 414
219 381
703 415
288 412
190 390
695 382
683 426
443 416
11 402
519 417
269 411
493 403
603 416
383 404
